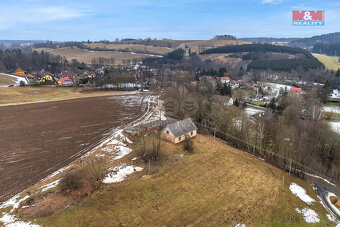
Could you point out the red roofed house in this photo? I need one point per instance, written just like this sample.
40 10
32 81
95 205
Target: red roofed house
296 90
225 80
68 74
65 82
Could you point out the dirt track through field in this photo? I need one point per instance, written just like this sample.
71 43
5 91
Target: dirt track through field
38 139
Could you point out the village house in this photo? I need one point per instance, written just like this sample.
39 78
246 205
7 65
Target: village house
20 72
225 80
68 74
179 131
65 82
47 79
295 90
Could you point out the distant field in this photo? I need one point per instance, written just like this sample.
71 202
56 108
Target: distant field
86 56
132 48
6 80
217 185
19 95
330 62
194 45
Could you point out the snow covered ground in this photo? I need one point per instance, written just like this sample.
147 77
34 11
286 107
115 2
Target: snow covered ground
50 185
119 173
251 111
309 215
10 220
276 87
335 126
332 109
301 193
115 146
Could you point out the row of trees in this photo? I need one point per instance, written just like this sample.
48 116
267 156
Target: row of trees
11 60
283 139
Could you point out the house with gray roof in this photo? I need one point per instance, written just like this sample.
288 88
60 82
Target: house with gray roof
180 130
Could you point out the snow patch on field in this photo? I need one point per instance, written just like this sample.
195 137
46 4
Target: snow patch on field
331 109
119 173
309 215
14 202
331 218
9 220
335 126
301 193
50 185
251 111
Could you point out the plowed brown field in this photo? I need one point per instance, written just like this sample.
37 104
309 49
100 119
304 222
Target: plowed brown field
38 139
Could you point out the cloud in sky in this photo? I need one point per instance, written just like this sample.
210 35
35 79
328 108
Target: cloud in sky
12 15
272 1
179 19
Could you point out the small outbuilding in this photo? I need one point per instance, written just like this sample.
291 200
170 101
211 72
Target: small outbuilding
180 130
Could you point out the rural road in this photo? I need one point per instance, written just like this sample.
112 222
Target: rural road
322 191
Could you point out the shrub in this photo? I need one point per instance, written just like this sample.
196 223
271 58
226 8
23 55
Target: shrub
149 147
71 181
189 145
97 167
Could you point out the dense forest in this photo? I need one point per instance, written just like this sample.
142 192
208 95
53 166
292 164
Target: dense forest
10 60
332 49
284 64
257 48
326 38
309 62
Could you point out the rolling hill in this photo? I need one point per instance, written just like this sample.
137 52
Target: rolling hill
86 56
330 62
131 48
217 185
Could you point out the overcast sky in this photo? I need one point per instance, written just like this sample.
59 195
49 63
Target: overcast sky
63 20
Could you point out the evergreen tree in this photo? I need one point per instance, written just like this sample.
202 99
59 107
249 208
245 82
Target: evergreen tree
325 92
236 103
271 104
337 73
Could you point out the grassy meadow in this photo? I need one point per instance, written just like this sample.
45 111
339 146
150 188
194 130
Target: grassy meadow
86 56
330 62
131 47
6 80
216 185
